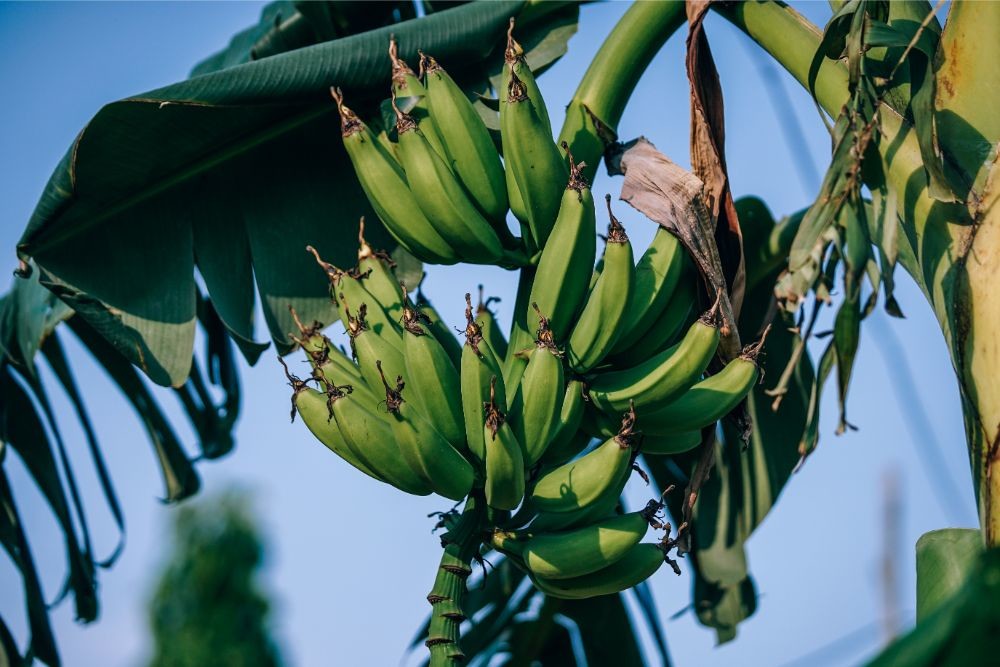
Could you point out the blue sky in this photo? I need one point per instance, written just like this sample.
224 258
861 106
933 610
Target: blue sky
351 560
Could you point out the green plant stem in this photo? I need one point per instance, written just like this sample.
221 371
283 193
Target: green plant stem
936 240
613 74
461 544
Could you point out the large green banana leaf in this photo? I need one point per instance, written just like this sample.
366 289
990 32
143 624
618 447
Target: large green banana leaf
234 172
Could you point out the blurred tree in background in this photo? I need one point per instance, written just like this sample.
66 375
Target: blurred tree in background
208 607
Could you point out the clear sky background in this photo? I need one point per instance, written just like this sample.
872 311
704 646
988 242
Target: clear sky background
350 560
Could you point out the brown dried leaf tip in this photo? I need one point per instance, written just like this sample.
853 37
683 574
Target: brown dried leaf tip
473 332
365 251
305 332
404 121
616 232
355 325
428 65
294 382
544 337
668 543
349 121
393 395
711 317
484 304
628 434
413 318
494 418
753 350
400 70
577 181
516 90
513 52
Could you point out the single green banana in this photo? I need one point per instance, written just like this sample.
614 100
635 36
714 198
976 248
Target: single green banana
638 564
566 441
707 401
479 366
538 399
442 199
468 144
604 506
656 276
560 285
671 444
581 551
441 331
345 288
437 388
488 324
662 377
579 483
370 348
514 59
504 486
376 272
597 328
426 451
679 313
406 84
384 183
533 159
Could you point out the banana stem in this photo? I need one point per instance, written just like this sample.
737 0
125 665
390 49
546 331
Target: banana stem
461 545
613 74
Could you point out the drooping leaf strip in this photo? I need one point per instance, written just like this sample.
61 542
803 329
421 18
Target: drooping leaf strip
32 429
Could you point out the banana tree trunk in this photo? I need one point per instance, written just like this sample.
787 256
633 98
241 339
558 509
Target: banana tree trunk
951 250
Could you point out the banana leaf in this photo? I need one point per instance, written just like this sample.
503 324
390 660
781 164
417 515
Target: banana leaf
33 326
234 171
745 482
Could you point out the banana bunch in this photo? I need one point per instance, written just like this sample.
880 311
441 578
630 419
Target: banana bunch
608 358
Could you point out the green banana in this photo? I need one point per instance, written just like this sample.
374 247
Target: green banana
672 444
531 156
346 288
488 324
602 507
479 366
560 285
656 276
538 398
579 483
327 361
515 62
707 401
312 406
441 331
638 564
504 486
468 144
369 435
385 185
426 451
598 326
566 441
663 376
678 314
442 199
369 348
581 551
376 274
406 84
435 381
